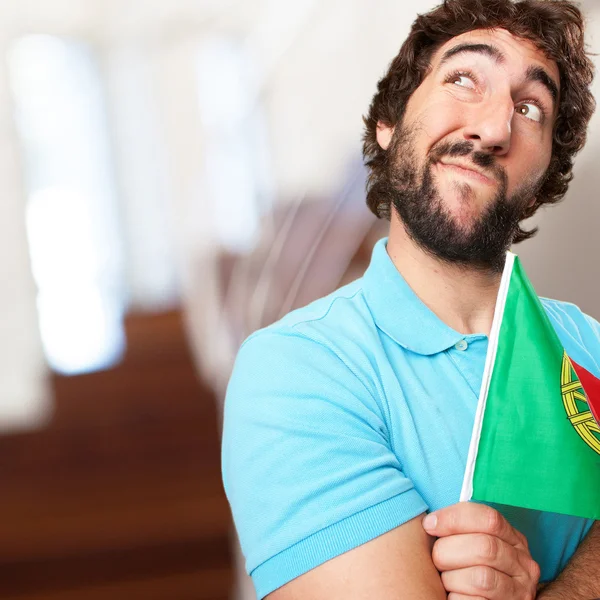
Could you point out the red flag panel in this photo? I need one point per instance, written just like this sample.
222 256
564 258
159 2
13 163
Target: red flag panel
591 386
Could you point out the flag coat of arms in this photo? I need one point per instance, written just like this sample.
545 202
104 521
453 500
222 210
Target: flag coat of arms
536 437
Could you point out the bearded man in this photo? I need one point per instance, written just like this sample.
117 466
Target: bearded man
350 419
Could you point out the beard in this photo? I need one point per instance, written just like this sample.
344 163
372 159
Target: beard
413 193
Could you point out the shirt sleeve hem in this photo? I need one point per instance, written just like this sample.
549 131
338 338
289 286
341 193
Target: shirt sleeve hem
335 540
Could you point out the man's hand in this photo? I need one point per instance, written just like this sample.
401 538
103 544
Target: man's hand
480 555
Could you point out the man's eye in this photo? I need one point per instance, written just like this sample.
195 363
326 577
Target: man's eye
530 111
463 81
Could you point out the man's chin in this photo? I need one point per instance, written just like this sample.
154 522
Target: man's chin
464 213
459 195
464 220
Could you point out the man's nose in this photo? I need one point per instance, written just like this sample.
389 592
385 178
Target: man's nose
489 127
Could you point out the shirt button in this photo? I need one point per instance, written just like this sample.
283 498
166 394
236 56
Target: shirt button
462 345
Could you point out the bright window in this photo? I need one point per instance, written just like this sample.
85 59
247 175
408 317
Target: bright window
236 170
72 217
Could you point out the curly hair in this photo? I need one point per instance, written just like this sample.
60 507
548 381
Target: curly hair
555 27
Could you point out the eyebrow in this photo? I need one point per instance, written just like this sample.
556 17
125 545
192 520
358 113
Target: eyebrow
486 49
541 76
534 74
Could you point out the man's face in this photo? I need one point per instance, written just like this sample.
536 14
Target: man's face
474 145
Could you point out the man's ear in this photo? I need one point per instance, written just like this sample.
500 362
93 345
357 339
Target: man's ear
527 210
384 135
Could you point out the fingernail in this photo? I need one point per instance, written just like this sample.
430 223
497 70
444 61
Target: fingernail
430 521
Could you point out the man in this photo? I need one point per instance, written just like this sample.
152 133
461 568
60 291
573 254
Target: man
350 419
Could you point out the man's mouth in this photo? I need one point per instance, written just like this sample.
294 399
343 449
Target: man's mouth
466 170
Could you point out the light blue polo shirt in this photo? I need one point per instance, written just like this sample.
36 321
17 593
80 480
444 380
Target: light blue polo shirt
352 415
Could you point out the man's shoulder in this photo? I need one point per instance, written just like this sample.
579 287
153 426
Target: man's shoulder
326 319
568 315
578 332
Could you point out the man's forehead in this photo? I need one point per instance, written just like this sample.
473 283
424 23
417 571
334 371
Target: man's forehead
508 44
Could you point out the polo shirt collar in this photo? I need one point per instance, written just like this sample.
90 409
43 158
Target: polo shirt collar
399 312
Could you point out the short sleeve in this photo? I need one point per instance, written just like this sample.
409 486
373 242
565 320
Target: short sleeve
591 339
578 332
307 464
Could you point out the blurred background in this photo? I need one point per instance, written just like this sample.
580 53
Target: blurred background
174 176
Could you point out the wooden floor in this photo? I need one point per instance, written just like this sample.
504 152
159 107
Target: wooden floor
120 497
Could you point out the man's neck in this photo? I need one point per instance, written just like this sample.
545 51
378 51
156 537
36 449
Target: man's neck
462 298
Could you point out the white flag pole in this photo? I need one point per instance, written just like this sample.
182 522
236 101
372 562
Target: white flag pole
467 487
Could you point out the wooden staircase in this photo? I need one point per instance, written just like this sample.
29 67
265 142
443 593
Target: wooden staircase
120 497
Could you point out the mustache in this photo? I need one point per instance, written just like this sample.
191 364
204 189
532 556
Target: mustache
481 159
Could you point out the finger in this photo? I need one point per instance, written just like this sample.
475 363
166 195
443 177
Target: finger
470 517
479 581
472 549
453 596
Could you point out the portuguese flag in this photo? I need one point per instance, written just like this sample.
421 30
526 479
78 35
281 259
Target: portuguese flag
536 438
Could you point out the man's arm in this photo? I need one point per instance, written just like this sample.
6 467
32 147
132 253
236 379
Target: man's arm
394 565
580 579
478 554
